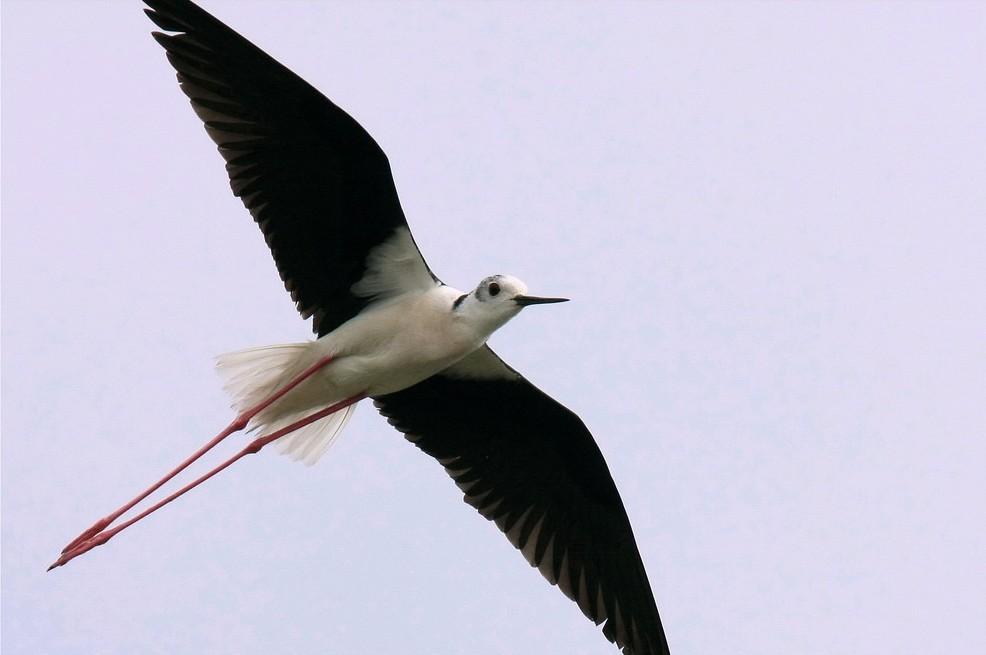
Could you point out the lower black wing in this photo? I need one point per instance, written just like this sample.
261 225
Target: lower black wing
529 464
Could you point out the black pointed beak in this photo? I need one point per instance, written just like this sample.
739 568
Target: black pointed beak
524 301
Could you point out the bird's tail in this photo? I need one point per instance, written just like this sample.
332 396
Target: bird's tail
253 375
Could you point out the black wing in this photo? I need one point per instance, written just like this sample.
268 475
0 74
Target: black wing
317 184
529 464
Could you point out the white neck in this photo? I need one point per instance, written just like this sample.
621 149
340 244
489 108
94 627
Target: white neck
484 317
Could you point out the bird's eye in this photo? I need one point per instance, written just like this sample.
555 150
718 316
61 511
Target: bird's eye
494 288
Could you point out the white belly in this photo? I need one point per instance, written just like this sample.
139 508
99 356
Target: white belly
397 345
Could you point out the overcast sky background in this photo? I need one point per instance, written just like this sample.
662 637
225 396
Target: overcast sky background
770 219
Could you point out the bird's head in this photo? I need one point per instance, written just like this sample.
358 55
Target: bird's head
497 299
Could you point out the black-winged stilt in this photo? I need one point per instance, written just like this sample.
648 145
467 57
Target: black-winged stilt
321 190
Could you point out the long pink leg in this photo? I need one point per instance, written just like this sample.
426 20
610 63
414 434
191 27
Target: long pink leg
254 447
238 424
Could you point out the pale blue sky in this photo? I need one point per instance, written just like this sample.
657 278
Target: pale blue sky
770 219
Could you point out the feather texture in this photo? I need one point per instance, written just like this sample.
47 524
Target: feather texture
251 376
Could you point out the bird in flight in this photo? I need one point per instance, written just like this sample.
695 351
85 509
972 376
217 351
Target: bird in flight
322 193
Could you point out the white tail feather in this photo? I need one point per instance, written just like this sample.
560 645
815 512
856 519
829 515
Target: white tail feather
309 443
251 376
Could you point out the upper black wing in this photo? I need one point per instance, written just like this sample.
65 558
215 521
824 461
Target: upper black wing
317 184
529 464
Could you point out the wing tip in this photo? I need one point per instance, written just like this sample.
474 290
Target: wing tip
164 19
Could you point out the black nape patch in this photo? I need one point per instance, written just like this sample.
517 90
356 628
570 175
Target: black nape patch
458 301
